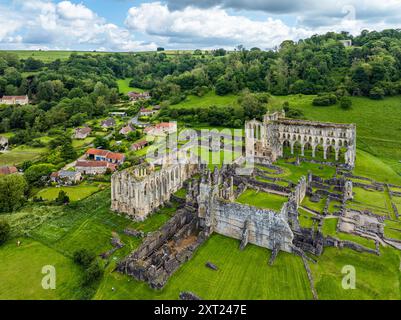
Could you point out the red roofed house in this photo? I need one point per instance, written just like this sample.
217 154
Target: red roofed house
139 145
14 100
161 129
8 170
82 133
105 155
94 167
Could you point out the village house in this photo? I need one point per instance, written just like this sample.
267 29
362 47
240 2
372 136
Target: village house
147 112
15 100
105 155
118 114
3 143
82 133
157 108
125 130
161 129
5 170
135 96
64 177
139 145
109 123
90 167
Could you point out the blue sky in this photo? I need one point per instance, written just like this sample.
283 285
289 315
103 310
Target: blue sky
137 25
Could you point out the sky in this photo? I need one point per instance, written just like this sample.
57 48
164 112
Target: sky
143 25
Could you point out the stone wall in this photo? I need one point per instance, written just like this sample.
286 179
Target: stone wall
140 190
264 228
164 251
265 140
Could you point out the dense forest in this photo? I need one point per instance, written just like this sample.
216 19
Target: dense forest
67 93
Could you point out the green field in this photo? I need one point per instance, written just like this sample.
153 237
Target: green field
208 100
241 275
377 277
49 56
20 154
21 272
75 193
262 200
123 86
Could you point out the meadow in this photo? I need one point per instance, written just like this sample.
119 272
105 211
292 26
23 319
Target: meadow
49 56
124 87
75 193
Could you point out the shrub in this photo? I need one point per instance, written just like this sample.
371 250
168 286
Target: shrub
325 100
62 197
345 103
4 231
376 93
84 257
93 273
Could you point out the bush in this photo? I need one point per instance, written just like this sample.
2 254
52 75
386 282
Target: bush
84 257
93 273
345 103
12 192
62 198
39 174
376 93
325 100
4 231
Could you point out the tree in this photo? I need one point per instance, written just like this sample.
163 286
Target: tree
67 152
62 198
38 174
101 142
345 103
5 230
12 192
325 100
83 257
253 108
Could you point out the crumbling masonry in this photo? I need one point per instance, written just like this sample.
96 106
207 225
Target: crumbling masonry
265 141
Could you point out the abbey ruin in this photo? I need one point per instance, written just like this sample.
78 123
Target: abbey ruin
138 191
211 204
265 141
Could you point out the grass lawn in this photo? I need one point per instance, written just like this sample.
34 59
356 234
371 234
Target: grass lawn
262 200
319 206
294 173
329 229
208 100
241 275
20 154
392 229
123 86
377 277
21 272
79 143
305 219
75 193
370 200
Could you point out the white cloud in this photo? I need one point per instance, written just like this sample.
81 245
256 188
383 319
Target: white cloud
188 23
44 23
208 27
